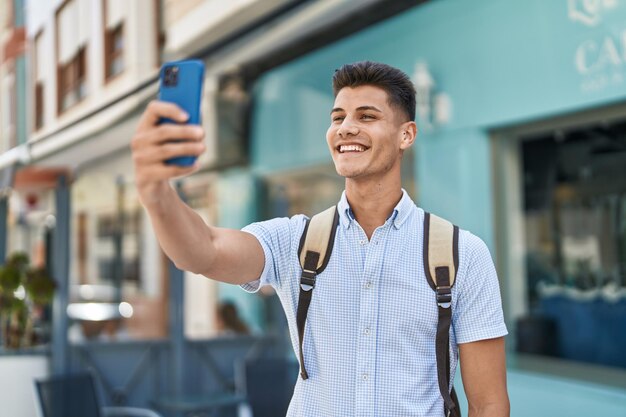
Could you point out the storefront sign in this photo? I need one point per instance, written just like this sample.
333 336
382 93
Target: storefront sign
601 59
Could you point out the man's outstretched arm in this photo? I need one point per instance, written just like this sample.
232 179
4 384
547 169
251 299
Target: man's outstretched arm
226 255
483 369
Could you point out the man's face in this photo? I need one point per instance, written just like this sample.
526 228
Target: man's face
366 134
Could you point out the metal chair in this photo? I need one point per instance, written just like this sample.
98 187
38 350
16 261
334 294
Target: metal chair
76 396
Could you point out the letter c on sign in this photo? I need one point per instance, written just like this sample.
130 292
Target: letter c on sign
582 55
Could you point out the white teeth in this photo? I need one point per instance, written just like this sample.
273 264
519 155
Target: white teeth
351 148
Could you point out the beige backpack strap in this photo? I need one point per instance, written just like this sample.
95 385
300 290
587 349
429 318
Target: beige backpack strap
441 263
440 246
316 246
318 237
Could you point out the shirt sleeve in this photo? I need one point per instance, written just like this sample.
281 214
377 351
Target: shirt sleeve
275 237
478 310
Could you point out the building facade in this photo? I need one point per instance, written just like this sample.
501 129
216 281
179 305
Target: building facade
521 141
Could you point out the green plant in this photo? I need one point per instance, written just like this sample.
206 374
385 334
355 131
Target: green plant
23 291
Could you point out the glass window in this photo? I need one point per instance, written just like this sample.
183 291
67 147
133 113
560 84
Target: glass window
114 45
306 191
114 14
72 37
232 106
39 69
575 232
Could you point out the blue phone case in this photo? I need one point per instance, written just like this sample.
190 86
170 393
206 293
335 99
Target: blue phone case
186 92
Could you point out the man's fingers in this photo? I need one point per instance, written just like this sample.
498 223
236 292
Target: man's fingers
168 132
157 154
161 109
172 150
152 145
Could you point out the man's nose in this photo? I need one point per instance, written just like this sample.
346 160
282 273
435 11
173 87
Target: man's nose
347 128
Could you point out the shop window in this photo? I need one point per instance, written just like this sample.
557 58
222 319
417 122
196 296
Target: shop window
575 231
72 34
232 107
308 191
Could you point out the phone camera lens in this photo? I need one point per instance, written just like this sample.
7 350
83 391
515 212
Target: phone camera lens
170 78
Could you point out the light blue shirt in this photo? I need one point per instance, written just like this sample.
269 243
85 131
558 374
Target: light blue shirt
369 344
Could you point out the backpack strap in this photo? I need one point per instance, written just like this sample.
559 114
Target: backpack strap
441 262
316 246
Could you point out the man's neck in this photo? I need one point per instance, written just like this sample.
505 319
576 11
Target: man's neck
372 202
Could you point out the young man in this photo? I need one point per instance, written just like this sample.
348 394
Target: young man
369 344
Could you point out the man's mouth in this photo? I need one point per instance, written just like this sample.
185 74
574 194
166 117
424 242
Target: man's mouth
351 148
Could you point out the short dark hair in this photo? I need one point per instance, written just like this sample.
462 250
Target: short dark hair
396 83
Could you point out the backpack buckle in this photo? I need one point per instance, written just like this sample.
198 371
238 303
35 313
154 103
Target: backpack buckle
444 296
307 280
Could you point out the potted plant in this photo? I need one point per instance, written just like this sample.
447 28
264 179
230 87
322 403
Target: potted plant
24 292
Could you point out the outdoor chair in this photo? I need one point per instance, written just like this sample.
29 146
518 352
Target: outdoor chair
76 396
267 384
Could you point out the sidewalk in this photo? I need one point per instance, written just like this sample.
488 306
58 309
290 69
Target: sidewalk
534 395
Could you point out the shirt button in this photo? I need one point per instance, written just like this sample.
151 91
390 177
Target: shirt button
365 377
367 331
368 284
362 242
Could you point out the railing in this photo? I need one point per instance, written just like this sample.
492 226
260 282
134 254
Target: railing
139 373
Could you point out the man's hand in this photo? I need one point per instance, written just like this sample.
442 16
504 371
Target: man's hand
483 369
152 145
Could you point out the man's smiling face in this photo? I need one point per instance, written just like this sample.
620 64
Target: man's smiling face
366 133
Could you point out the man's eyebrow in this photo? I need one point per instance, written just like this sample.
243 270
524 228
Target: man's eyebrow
369 108
337 109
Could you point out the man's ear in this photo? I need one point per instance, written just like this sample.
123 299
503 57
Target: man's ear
409 133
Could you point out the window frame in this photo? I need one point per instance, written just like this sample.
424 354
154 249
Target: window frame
75 64
38 87
111 54
108 37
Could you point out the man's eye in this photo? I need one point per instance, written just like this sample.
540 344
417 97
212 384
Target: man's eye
338 118
367 116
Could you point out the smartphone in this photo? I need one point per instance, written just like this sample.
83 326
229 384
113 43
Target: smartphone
180 82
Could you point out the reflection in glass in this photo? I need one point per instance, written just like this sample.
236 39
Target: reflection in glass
575 230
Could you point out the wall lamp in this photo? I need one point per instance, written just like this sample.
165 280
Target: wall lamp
434 108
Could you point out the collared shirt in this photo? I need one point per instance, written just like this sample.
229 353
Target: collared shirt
369 343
